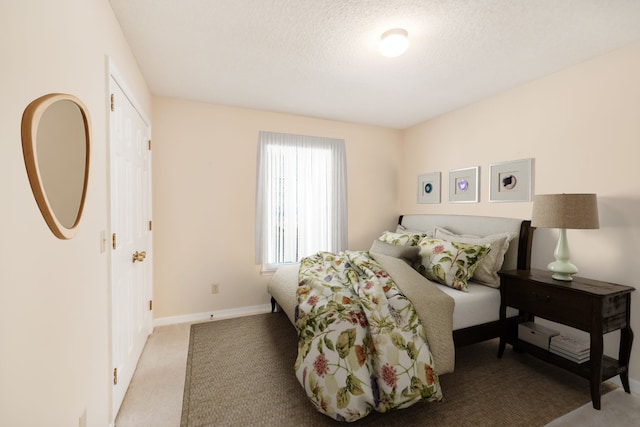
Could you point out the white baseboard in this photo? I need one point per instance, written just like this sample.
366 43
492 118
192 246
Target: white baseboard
217 315
634 385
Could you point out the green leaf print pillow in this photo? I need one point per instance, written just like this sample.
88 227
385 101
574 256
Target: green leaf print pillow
404 239
449 263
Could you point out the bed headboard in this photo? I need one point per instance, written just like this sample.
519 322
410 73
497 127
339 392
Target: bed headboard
518 255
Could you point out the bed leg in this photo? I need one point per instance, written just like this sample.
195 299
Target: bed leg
273 304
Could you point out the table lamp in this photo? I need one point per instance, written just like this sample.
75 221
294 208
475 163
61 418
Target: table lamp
563 211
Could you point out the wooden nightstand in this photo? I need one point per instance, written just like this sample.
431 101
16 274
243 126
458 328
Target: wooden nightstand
589 305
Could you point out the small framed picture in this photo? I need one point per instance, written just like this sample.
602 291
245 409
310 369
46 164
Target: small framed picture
463 185
512 181
429 188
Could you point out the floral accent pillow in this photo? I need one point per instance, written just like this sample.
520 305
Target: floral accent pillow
449 263
409 238
487 271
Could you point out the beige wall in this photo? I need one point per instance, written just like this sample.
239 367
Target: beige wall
582 127
204 160
54 294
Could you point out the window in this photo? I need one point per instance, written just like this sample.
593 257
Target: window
301 200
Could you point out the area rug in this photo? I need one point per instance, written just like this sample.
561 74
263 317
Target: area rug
240 373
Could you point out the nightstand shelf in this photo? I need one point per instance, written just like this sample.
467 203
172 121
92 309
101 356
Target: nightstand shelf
610 366
589 305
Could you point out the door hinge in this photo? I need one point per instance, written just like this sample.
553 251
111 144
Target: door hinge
150 225
113 240
149 144
115 376
150 304
113 102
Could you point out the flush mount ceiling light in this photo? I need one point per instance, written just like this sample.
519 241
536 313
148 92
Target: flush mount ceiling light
394 42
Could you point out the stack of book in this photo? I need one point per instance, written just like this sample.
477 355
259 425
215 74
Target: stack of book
570 347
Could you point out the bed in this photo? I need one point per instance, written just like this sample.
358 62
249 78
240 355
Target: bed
451 318
480 325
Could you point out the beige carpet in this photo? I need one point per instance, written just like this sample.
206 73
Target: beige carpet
619 409
240 372
154 397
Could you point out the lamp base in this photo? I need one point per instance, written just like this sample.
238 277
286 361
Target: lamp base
561 267
562 270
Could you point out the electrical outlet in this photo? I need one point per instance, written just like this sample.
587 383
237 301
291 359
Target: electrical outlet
215 288
82 421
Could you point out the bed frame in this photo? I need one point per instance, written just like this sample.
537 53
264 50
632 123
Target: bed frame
518 257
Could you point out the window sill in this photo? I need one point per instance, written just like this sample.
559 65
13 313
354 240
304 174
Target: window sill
269 270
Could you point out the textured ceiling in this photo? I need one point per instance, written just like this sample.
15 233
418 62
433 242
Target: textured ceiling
319 57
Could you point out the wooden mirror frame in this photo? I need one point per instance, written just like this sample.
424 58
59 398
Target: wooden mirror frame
30 124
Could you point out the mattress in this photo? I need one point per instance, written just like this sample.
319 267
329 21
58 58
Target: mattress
480 305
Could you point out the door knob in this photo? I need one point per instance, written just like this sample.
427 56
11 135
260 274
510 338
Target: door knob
139 256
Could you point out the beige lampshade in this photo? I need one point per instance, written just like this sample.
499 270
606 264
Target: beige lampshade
571 211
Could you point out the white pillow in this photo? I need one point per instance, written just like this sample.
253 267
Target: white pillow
402 229
487 271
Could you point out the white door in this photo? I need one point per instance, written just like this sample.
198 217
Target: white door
131 256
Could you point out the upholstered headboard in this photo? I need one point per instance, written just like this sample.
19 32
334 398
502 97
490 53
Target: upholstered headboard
518 255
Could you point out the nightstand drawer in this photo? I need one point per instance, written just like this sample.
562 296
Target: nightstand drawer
552 303
614 304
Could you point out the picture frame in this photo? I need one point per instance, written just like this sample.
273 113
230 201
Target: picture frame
429 188
512 181
464 185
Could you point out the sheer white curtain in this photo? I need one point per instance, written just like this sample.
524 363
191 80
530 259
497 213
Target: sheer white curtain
301 197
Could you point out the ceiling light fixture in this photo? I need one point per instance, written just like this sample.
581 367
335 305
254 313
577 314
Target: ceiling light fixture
394 42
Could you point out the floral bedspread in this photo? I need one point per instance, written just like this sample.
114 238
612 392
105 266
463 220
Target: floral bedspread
361 345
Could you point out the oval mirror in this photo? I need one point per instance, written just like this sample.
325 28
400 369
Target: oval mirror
55 144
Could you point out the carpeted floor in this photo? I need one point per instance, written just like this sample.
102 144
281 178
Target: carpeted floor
240 372
619 409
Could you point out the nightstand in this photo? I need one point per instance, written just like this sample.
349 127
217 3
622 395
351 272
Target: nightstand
589 305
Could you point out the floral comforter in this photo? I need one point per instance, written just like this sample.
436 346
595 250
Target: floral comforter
361 345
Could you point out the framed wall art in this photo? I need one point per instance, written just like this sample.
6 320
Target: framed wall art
429 188
463 185
512 181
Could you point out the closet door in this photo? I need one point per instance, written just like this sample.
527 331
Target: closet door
131 250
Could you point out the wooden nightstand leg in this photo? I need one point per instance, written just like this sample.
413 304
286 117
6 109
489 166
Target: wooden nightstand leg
503 330
595 393
626 341
596 367
501 347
